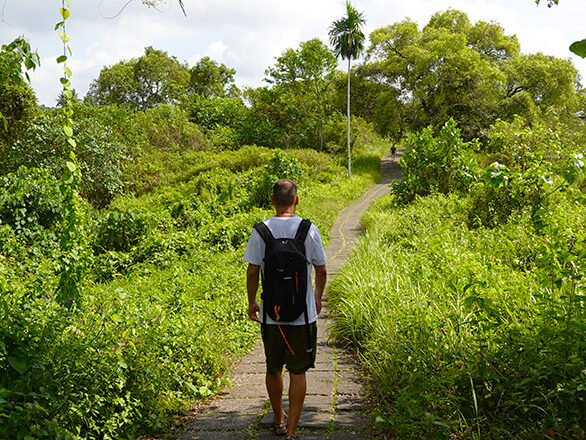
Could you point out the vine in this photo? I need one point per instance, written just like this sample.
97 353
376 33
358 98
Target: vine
72 262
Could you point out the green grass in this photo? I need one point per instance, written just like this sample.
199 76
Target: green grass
461 331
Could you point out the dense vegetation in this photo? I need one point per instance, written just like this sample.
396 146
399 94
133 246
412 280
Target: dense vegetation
465 298
123 218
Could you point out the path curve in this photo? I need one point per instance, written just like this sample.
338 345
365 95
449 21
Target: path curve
334 407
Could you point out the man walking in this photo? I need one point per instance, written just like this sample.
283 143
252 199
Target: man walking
289 337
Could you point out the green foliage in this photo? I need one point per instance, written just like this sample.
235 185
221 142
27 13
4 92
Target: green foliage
473 73
435 164
17 101
213 112
100 146
211 79
528 165
302 80
141 83
279 167
468 332
168 128
346 35
30 200
120 231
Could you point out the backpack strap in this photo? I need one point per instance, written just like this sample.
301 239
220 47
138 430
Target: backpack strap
301 235
264 232
303 230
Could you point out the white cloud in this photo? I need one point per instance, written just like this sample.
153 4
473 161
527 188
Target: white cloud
216 50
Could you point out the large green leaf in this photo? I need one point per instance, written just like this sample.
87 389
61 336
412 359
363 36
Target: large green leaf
579 48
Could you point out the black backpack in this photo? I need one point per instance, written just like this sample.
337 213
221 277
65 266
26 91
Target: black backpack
284 279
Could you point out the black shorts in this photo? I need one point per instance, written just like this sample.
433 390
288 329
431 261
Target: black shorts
277 352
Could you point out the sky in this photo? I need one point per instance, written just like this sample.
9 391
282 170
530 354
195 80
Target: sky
247 35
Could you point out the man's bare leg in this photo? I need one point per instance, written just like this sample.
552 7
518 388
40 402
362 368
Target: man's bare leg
275 389
297 390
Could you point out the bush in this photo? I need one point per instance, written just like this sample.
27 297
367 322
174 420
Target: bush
279 167
168 128
433 164
30 200
120 231
100 151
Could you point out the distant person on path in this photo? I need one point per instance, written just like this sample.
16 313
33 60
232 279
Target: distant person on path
290 342
393 152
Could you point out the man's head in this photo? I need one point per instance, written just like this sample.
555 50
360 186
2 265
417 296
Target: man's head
284 194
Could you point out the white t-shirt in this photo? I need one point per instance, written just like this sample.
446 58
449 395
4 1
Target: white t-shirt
286 227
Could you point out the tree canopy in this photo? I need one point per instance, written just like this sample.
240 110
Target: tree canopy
141 83
212 79
303 79
473 73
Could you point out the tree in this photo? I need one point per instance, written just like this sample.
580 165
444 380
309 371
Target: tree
211 79
473 73
141 83
303 80
17 100
348 41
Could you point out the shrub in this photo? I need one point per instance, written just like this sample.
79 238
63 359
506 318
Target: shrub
436 164
30 200
279 167
121 230
168 128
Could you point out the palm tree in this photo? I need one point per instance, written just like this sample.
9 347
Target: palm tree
347 39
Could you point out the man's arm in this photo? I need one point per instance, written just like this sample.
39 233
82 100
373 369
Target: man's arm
321 275
252 277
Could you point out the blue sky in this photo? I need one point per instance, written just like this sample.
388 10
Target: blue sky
247 35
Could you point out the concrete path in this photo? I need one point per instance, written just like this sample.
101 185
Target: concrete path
334 408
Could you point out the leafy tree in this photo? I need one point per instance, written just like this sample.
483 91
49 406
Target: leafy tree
212 79
303 82
473 73
141 83
550 83
17 100
348 41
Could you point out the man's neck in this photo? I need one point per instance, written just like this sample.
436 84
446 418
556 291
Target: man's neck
285 212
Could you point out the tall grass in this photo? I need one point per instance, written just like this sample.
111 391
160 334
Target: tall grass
460 331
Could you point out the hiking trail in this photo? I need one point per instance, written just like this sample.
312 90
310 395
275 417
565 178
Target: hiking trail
334 408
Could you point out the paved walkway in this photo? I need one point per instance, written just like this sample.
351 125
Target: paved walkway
334 408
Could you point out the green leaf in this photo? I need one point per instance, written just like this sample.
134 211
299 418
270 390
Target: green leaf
68 131
67 71
72 142
18 364
579 48
65 82
71 166
58 25
62 59
64 37
65 13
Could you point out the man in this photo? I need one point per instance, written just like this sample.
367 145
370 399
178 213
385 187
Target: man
286 343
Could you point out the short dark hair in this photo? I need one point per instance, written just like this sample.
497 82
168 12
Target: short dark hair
284 192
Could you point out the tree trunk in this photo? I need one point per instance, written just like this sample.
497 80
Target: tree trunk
348 121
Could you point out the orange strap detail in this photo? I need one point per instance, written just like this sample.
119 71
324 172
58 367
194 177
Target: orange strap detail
277 308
